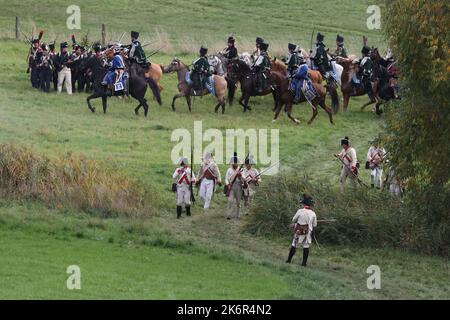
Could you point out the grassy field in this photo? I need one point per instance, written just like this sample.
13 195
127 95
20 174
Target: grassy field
202 257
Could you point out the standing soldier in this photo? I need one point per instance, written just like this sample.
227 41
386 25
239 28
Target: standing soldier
53 56
45 68
375 158
340 51
63 65
253 178
200 71
321 57
183 178
260 66
305 221
349 167
209 177
294 60
235 182
32 64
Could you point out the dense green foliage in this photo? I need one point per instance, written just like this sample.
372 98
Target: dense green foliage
418 127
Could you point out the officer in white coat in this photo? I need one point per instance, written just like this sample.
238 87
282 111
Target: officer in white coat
209 178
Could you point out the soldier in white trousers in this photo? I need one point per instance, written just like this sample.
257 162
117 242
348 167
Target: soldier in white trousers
349 167
63 62
375 158
209 178
253 179
183 176
305 220
235 181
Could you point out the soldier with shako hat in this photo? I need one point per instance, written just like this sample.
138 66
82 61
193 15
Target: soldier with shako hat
231 54
253 178
200 71
321 57
340 51
294 59
183 178
305 220
209 178
235 180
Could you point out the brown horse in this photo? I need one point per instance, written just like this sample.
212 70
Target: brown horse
155 72
185 89
287 99
315 76
247 79
351 68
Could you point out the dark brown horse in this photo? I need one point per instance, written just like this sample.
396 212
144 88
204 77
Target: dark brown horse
287 99
185 89
247 79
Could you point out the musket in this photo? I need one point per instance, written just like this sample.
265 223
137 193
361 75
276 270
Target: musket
269 168
121 37
191 188
230 186
361 183
312 39
150 43
155 52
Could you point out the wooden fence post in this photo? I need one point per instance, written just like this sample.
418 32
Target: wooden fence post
17 28
103 34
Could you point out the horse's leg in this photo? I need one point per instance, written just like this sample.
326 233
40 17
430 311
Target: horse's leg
315 112
136 111
346 101
278 107
322 103
88 100
143 102
368 104
104 103
189 102
241 101
246 107
175 97
289 108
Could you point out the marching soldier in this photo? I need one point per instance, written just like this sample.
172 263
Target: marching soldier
253 178
375 158
209 177
235 180
340 51
183 177
63 66
305 220
293 61
321 57
200 71
260 66
349 167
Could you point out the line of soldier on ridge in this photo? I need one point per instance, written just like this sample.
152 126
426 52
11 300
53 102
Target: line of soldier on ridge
46 65
66 67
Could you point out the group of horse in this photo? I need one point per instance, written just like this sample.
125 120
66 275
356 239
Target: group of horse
228 76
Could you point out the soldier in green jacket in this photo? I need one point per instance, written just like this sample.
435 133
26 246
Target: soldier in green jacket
200 70
321 58
261 65
137 53
341 51
294 60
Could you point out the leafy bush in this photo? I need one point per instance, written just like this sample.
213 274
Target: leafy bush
363 217
73 181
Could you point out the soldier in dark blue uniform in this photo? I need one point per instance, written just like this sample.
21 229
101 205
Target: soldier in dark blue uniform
45 68
32 64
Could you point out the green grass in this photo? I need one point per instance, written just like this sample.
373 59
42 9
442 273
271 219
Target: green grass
202 257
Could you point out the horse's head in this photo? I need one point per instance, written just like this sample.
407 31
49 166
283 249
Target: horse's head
239 67
174 66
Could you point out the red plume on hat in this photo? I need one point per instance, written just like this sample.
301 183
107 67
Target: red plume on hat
73 39
41 34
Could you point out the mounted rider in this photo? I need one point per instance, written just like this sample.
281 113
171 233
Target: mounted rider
301 84
200 71
341 50
231 54
321 57
261 65
137 54
257 52
366 72
116 71
294 59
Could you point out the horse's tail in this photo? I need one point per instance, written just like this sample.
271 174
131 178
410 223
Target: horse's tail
334 97
231 91
155 89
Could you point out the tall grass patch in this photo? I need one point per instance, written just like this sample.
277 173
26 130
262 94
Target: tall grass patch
71 181
363 217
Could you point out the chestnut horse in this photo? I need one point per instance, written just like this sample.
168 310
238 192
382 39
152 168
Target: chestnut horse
287 100
155 72
185 89
315 76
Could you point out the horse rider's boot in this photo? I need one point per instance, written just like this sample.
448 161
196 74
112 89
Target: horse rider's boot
179 209
291 254
188 211
305 256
